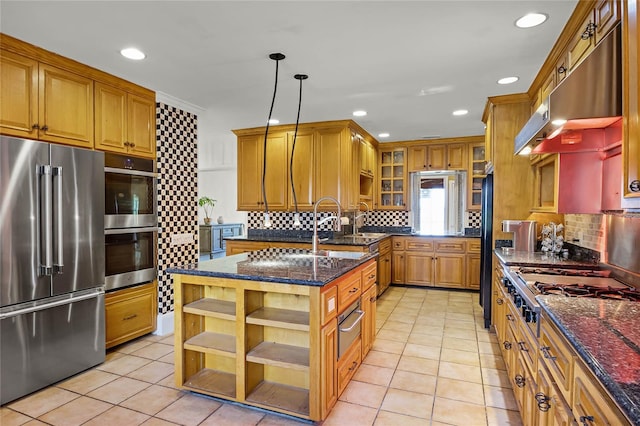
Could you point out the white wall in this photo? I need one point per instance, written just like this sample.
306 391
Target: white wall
217 167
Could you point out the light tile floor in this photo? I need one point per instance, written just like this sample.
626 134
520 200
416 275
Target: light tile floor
433 363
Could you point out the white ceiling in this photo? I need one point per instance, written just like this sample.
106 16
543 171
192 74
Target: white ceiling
408 63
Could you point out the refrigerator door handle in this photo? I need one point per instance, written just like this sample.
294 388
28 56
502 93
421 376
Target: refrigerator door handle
58 236
46 221
60 302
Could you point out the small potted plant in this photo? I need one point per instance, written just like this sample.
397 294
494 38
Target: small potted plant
207 204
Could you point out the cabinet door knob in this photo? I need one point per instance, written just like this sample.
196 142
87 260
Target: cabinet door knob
35 126
562 69
45 128
132 144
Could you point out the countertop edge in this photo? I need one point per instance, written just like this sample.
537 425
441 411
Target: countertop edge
628 407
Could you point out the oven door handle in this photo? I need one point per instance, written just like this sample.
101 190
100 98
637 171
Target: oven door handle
356 322
130 172
130 230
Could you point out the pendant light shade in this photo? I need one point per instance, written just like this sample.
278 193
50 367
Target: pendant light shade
267 220
296 216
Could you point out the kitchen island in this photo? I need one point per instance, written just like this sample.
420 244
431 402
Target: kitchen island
261 328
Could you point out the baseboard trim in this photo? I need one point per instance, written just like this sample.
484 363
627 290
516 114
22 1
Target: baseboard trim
165 324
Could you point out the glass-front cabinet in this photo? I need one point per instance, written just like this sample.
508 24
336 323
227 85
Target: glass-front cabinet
477 167
393 179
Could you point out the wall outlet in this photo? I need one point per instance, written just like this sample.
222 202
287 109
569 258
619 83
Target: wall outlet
181 239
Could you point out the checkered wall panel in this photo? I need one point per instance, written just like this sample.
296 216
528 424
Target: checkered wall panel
284 220
177 159
474 219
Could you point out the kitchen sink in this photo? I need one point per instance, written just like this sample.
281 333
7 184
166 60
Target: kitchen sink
370 234
336 254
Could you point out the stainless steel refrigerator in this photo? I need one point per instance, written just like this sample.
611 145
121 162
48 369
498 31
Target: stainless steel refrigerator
486 248
51 264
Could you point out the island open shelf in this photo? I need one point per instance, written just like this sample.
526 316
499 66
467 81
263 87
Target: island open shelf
268 344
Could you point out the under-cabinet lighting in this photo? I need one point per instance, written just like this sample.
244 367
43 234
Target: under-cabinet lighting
559 122
525 151
133 53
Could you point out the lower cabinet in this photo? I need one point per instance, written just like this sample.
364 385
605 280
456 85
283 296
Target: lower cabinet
212 237
446 262
368 306
268 345
130 313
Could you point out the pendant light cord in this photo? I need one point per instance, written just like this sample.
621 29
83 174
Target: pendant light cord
277 57
295 136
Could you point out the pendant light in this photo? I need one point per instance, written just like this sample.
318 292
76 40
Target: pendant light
267 220
296 215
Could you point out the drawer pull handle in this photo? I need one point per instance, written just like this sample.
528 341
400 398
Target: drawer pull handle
546 354
523 346
510 317
353 290
499 301
128 317
519 379
372 276
585 419
372 299
543 402
507 344
353 366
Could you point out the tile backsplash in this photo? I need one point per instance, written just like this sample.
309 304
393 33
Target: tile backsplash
585 230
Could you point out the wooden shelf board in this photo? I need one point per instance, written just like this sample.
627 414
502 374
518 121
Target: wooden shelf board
282 318
212 308
280 355
213 343
284 397
213 382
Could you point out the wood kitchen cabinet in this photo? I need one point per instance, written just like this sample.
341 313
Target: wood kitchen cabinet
368 306
124 122
130 313
41 101
436 262
451 156
476 173
384 265
326 162
631 104
212 237
392 187
250 161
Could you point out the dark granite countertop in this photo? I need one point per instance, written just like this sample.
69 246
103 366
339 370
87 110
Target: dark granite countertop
344 240
287 266
533 259
606 335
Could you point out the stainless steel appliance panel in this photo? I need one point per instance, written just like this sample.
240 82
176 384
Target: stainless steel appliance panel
20 254
623 234
130 256
42 343
349 327
78 228
486 248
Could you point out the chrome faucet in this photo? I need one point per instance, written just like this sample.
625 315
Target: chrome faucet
337 226
357 216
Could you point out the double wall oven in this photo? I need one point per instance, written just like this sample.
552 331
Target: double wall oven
131 221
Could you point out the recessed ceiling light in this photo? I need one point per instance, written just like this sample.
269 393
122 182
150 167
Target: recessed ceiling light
133 53
359 113
531 20
274 121
383 135
461 112
508 80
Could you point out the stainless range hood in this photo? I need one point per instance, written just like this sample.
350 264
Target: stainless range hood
590 97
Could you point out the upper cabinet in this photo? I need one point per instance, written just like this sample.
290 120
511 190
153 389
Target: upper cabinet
250 172
596 25
326 162
125 122
452 156
393 179
51 98
43 102
476 174
631 105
